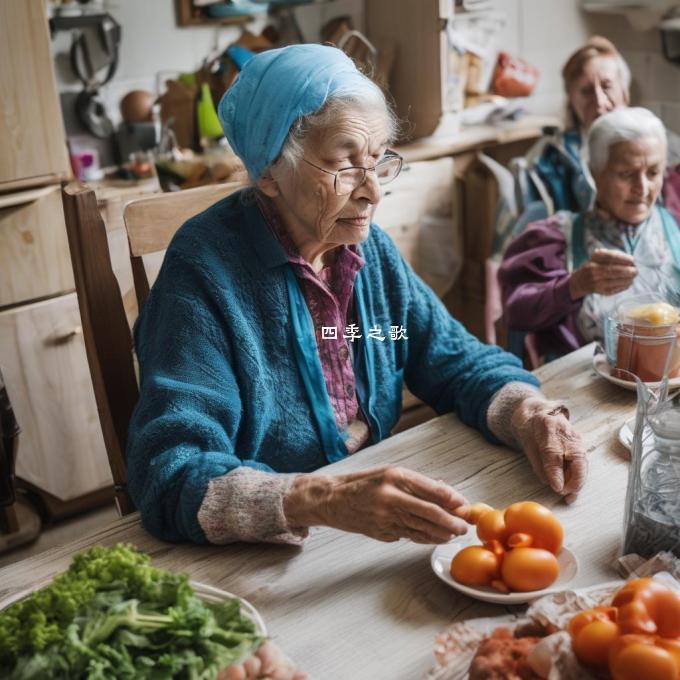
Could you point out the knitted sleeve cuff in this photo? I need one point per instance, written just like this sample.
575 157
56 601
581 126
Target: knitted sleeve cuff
247 505
503 405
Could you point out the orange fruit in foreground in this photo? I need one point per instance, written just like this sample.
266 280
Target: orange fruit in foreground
526 569
638 660
588 616
672 646
591 643
472 513
475 566
647 606
536 520
491 526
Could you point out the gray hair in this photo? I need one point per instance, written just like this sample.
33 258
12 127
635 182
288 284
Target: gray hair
336 105
624 72
625 124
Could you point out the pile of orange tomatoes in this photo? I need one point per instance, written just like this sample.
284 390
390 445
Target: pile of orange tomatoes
636 638
519 548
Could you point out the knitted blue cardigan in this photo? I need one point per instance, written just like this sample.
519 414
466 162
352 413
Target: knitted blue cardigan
221 382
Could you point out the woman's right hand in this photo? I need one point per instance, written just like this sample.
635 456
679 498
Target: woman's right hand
608 272
268 662
385 503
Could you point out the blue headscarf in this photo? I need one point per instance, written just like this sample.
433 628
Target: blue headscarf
274 89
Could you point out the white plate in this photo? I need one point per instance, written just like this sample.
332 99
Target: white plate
441 565
603 369
626 434
627 431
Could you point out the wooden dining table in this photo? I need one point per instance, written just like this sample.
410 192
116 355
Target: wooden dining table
348 607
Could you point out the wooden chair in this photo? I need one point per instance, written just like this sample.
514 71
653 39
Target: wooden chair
150 224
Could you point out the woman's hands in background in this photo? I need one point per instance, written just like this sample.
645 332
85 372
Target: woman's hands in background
607 272
385 503
268 662
554 449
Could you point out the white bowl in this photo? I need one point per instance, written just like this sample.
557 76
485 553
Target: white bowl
211 594
441 565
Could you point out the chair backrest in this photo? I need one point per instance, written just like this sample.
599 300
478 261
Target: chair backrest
150 223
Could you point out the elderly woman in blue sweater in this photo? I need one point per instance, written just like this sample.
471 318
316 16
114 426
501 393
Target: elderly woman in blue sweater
284 325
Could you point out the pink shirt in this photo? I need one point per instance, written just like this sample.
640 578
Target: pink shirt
329 299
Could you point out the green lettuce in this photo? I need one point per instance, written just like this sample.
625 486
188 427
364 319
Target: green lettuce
113 615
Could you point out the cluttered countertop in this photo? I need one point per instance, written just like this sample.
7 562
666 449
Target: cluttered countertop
477 136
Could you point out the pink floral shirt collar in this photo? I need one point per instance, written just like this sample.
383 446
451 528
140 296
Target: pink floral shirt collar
329 297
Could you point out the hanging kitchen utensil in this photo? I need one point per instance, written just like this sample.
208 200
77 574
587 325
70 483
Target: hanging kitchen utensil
91 112
374 61
92 52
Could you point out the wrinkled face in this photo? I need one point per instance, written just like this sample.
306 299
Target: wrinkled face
630 182
306 196
599 89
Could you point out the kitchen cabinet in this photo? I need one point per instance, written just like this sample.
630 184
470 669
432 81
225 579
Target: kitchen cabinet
34 255
31 128
42 353
61 456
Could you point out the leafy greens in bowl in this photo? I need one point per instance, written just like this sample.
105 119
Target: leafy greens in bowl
113 615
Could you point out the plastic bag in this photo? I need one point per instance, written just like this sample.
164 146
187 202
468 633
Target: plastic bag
514 77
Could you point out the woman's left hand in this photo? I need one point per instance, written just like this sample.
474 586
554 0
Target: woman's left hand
268 662
551 444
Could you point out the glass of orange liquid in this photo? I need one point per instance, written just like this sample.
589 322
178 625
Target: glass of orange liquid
648 340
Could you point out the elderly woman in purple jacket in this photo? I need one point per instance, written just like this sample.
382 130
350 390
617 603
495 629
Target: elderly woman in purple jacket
563 275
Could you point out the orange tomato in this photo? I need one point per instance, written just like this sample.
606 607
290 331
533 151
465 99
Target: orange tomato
491 526
475 566
633 589
664 607
500 586
672 646
520 541
536 520
634 617
592 642
624 641
496 547
588 616
647 606
640 659
526 569
623 635
475 511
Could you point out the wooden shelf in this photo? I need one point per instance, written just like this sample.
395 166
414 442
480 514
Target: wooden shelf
188 15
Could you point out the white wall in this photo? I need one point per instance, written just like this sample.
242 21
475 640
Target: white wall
545 33
152 42
656 82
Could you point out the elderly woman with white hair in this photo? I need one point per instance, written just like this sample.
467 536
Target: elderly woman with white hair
283 326
563 275
596 80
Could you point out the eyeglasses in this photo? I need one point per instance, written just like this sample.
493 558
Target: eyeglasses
346 180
